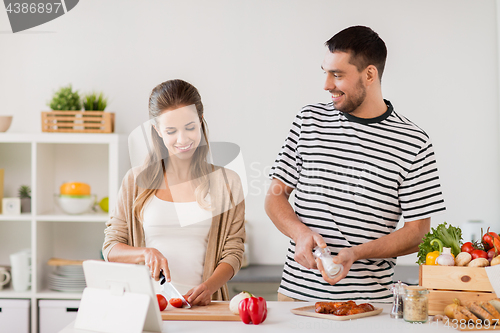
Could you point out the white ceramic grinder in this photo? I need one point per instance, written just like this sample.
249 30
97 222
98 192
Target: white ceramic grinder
331 269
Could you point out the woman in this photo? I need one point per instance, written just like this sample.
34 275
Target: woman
178 213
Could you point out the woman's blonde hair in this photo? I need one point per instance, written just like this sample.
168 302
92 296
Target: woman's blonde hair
170 95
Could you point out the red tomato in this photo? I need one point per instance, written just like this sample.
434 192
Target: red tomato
162 301
490 238
467 247
176 302
479 254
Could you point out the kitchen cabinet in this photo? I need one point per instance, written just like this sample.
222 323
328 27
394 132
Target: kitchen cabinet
44 161
54 315
15 315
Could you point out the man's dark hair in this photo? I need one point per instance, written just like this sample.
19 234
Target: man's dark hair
365 46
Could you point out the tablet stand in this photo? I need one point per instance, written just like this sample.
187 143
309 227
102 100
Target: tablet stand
112 310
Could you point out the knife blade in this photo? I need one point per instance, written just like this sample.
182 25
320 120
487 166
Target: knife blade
169 291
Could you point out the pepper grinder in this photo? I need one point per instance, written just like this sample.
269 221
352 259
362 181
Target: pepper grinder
398 290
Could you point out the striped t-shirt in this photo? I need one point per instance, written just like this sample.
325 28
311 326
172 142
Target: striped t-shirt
353 179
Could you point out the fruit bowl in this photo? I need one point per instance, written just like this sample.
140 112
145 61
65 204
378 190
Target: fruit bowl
75 204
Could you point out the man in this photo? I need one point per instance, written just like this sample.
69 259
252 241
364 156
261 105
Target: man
356 166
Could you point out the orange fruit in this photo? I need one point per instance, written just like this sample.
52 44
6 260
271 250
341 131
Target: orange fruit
75 188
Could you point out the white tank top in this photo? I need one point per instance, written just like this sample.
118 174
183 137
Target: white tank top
179 230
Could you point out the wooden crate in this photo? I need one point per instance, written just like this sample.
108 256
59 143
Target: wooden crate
446 283
78 121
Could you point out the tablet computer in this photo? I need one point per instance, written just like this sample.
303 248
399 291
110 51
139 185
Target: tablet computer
120 278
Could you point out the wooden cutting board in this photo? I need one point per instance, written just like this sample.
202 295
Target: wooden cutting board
215 311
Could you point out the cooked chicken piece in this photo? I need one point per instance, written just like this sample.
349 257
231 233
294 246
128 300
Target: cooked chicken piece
342 308
367 307
355 310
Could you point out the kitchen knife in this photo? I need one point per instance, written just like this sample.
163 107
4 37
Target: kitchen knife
169 291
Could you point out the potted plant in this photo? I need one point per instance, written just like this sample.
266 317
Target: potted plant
67 114
66 99
94 102
24 194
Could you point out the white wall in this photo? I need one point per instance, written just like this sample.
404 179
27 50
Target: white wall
256 63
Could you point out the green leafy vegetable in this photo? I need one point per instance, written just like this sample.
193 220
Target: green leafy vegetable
450 237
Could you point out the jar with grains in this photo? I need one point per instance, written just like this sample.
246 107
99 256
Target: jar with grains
416 304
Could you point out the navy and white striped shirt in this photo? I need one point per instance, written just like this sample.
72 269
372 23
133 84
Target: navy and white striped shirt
353 179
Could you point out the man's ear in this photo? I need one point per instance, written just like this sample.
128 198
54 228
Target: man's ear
371 74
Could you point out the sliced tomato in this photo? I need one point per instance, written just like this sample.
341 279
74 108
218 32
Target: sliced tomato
162 301
176 302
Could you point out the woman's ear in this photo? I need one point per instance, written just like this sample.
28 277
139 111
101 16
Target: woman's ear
158 132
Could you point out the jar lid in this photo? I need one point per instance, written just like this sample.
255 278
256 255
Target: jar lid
416 290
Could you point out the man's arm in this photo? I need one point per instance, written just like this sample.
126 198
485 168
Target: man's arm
280 211
401 242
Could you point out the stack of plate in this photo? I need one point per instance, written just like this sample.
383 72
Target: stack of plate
69 278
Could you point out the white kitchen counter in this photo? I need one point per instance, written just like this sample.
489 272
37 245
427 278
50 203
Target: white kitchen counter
280 319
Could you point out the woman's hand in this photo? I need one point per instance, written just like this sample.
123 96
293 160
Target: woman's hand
156 263
200 295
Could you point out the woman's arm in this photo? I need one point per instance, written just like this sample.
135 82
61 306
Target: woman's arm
134 255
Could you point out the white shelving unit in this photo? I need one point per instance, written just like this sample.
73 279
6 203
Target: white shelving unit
44 161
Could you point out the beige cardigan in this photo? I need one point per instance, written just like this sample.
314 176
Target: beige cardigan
226 235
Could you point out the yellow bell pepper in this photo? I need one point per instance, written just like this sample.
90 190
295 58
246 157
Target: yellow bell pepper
430 258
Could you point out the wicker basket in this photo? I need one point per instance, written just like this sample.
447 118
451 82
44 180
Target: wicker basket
78 121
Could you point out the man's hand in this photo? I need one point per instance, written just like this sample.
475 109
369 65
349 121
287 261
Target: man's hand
346 258
304 245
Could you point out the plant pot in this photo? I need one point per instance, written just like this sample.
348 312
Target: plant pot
25 205
78 121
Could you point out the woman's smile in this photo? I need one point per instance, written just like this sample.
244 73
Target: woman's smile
185 148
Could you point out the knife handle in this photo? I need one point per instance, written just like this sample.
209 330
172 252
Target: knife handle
162 278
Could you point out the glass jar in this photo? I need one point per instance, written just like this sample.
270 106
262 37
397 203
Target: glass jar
416 304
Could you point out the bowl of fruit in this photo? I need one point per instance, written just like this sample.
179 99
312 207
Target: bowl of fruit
75 198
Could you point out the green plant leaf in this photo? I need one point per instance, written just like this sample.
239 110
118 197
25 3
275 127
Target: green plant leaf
65 99
94 102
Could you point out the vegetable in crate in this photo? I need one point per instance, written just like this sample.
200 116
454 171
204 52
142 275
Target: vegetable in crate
449 235
491 240
430 258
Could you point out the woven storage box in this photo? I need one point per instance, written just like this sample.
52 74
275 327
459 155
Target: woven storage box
448 282
78 121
